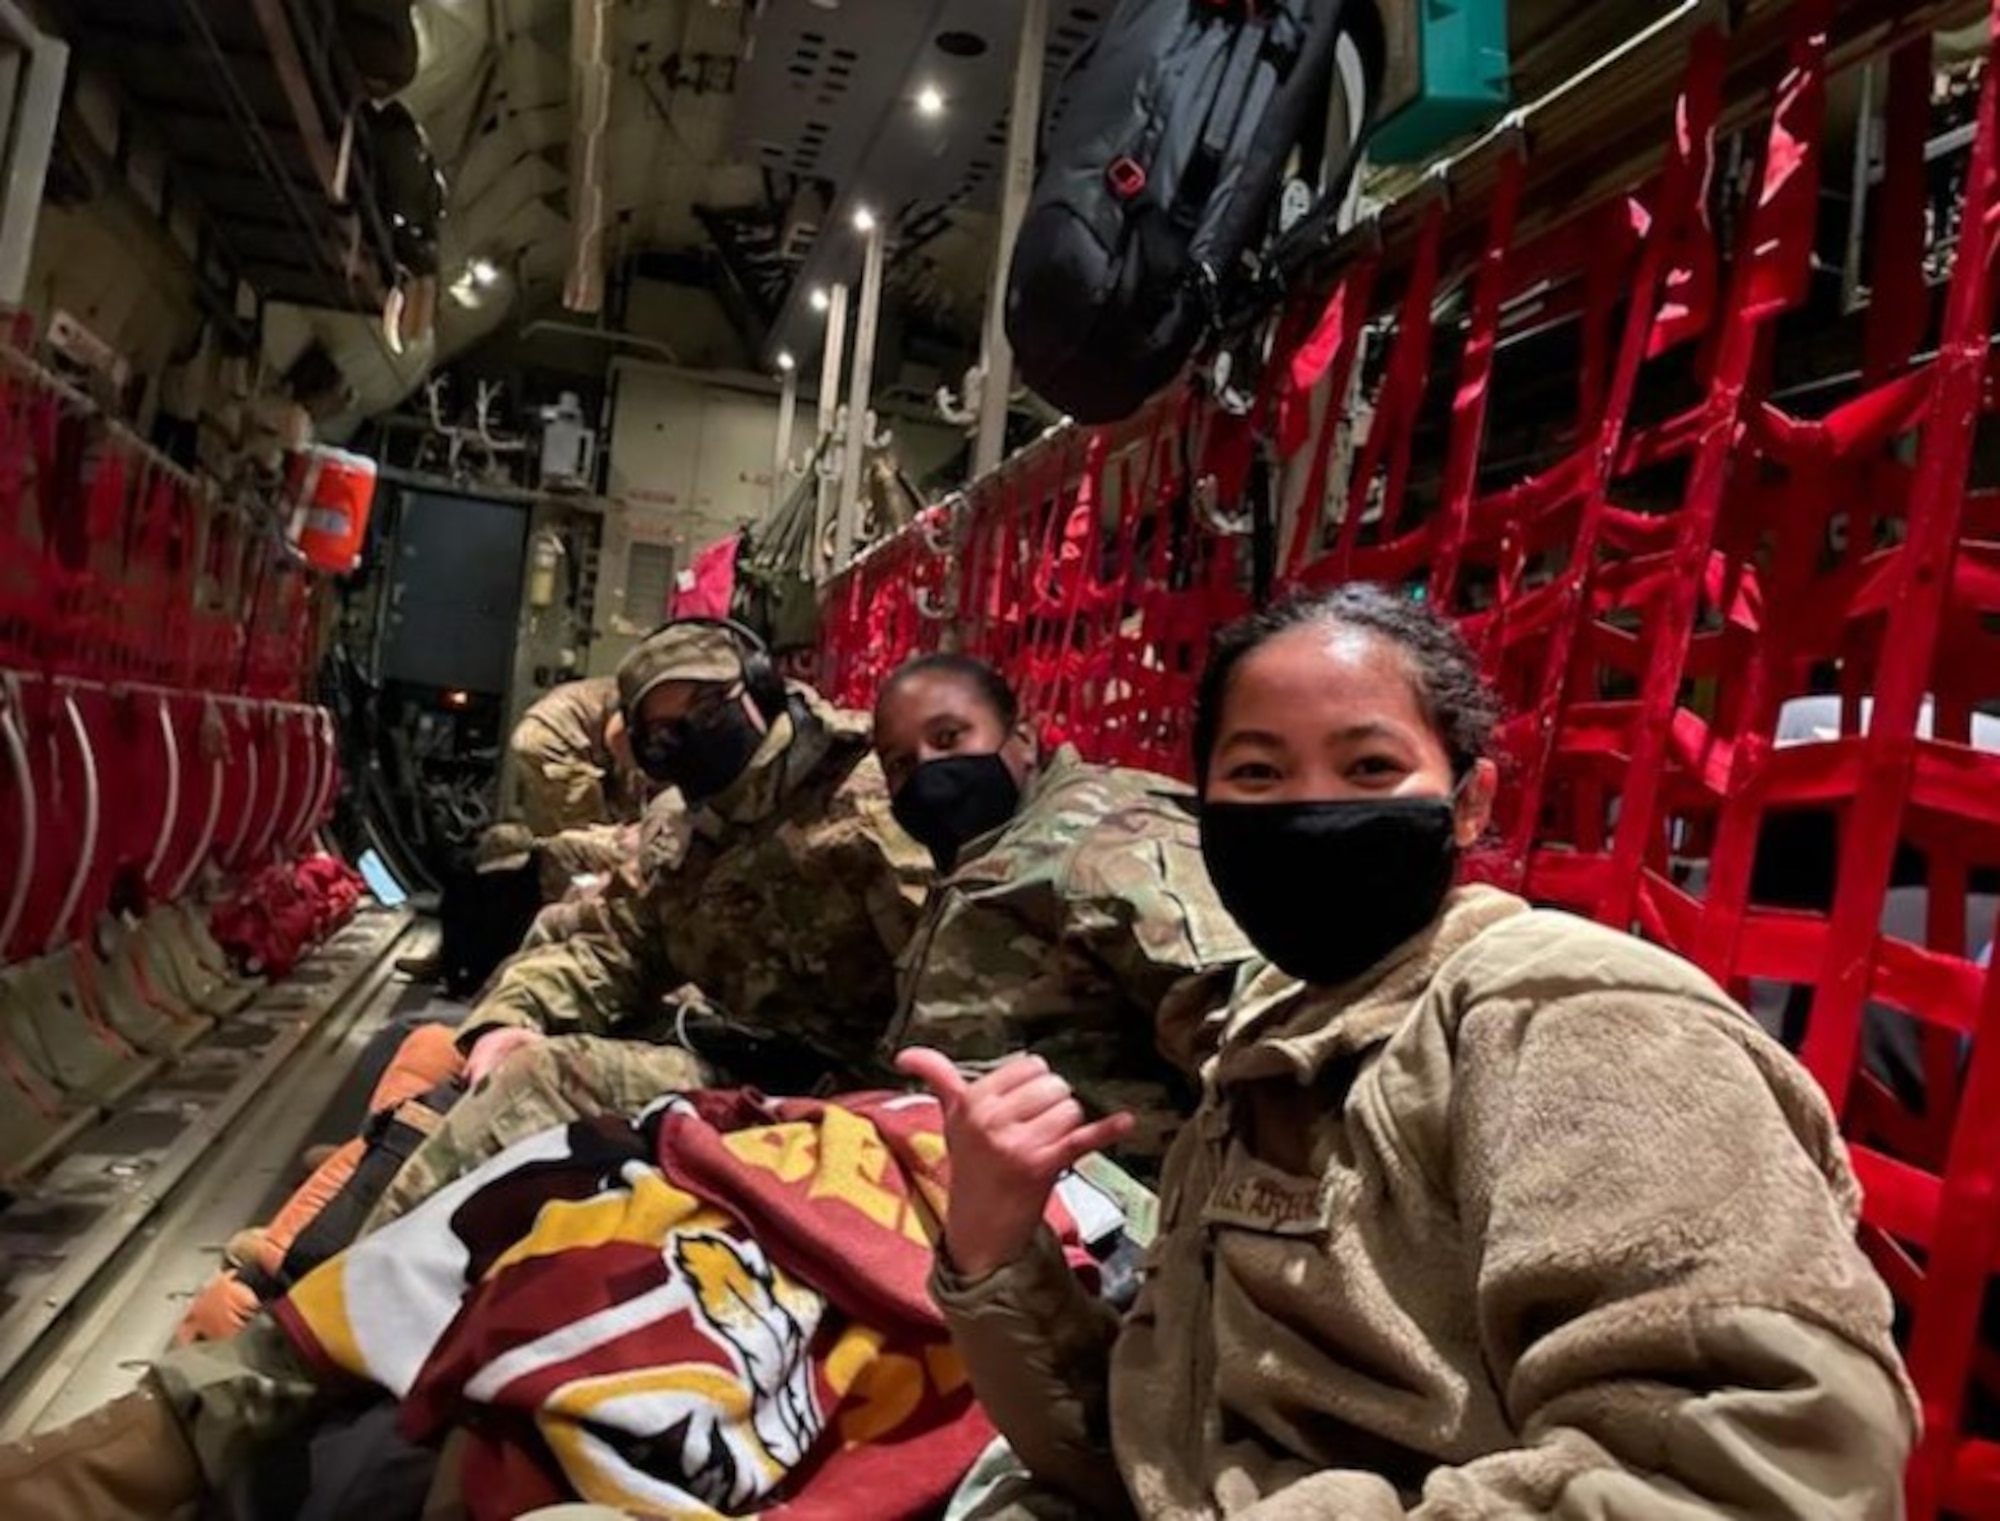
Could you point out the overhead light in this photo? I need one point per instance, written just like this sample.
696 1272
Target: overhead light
785 360
464 291
864 219
820 299
930 101
484 272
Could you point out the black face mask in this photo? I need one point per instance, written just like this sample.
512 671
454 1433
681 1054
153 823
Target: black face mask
701 754
946 804
1326 890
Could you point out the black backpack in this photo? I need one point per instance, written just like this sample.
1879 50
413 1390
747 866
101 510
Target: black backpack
1160 175
482 920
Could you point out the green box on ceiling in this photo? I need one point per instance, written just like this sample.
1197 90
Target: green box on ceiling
1460 68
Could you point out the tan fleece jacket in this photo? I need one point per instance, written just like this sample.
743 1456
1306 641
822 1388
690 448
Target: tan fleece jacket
1529 1221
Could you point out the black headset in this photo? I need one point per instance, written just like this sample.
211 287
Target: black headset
761 679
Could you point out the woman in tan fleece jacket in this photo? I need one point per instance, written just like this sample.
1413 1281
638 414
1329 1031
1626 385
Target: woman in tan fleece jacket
1486 1211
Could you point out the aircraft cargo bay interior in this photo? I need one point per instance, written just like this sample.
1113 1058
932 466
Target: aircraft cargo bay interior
999 760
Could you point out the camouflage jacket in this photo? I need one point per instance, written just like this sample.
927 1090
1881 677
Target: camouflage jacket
785 903
568 776
1065 932
597 851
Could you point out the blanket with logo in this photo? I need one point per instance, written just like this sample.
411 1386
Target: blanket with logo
716 1310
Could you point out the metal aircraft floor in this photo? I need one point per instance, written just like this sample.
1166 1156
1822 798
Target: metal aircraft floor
99 1259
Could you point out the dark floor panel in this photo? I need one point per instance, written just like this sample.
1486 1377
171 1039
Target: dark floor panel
111 1164
133 1133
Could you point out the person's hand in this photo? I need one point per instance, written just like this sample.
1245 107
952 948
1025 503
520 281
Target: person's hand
489 1051
1011 1134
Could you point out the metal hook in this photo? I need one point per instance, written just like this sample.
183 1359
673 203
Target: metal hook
17 754
92 801
275 726
295 825
211 710
1206 500
943 517
171 816
233 853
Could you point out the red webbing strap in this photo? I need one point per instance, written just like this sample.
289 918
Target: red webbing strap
90 999
23 818
60 795
1680 188
1915 623
1687 286
1946 1330
1974 1485
59 447
33 1087
150 553
88 630
220 559
1394 420
1408 388
1324 366
23 580
1766 278
55 441
1816 477
1082 546
1475 379
977 575
1623 231
242 782
839 640
1898 300
1038 555
179 809
1115 692
1306 365
1779 258
1948 1313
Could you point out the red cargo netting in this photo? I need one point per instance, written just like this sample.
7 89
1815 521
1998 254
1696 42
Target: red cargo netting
1655 594
156 644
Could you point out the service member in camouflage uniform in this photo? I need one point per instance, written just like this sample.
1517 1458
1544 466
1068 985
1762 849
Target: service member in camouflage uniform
581 800
780 899
1072 904
581 792
782 891
1071 907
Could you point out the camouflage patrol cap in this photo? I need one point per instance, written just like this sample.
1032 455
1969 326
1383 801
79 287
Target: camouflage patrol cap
678 652
504 847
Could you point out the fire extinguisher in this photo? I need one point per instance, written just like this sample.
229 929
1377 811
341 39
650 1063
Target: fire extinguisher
543 563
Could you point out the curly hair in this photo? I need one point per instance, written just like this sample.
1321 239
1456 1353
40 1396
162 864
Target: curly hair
991 686
1455 699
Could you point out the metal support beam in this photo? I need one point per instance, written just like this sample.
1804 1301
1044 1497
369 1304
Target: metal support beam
833 357
848 524
35 101
1023 126
310 224
291 65
788 411
590 86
